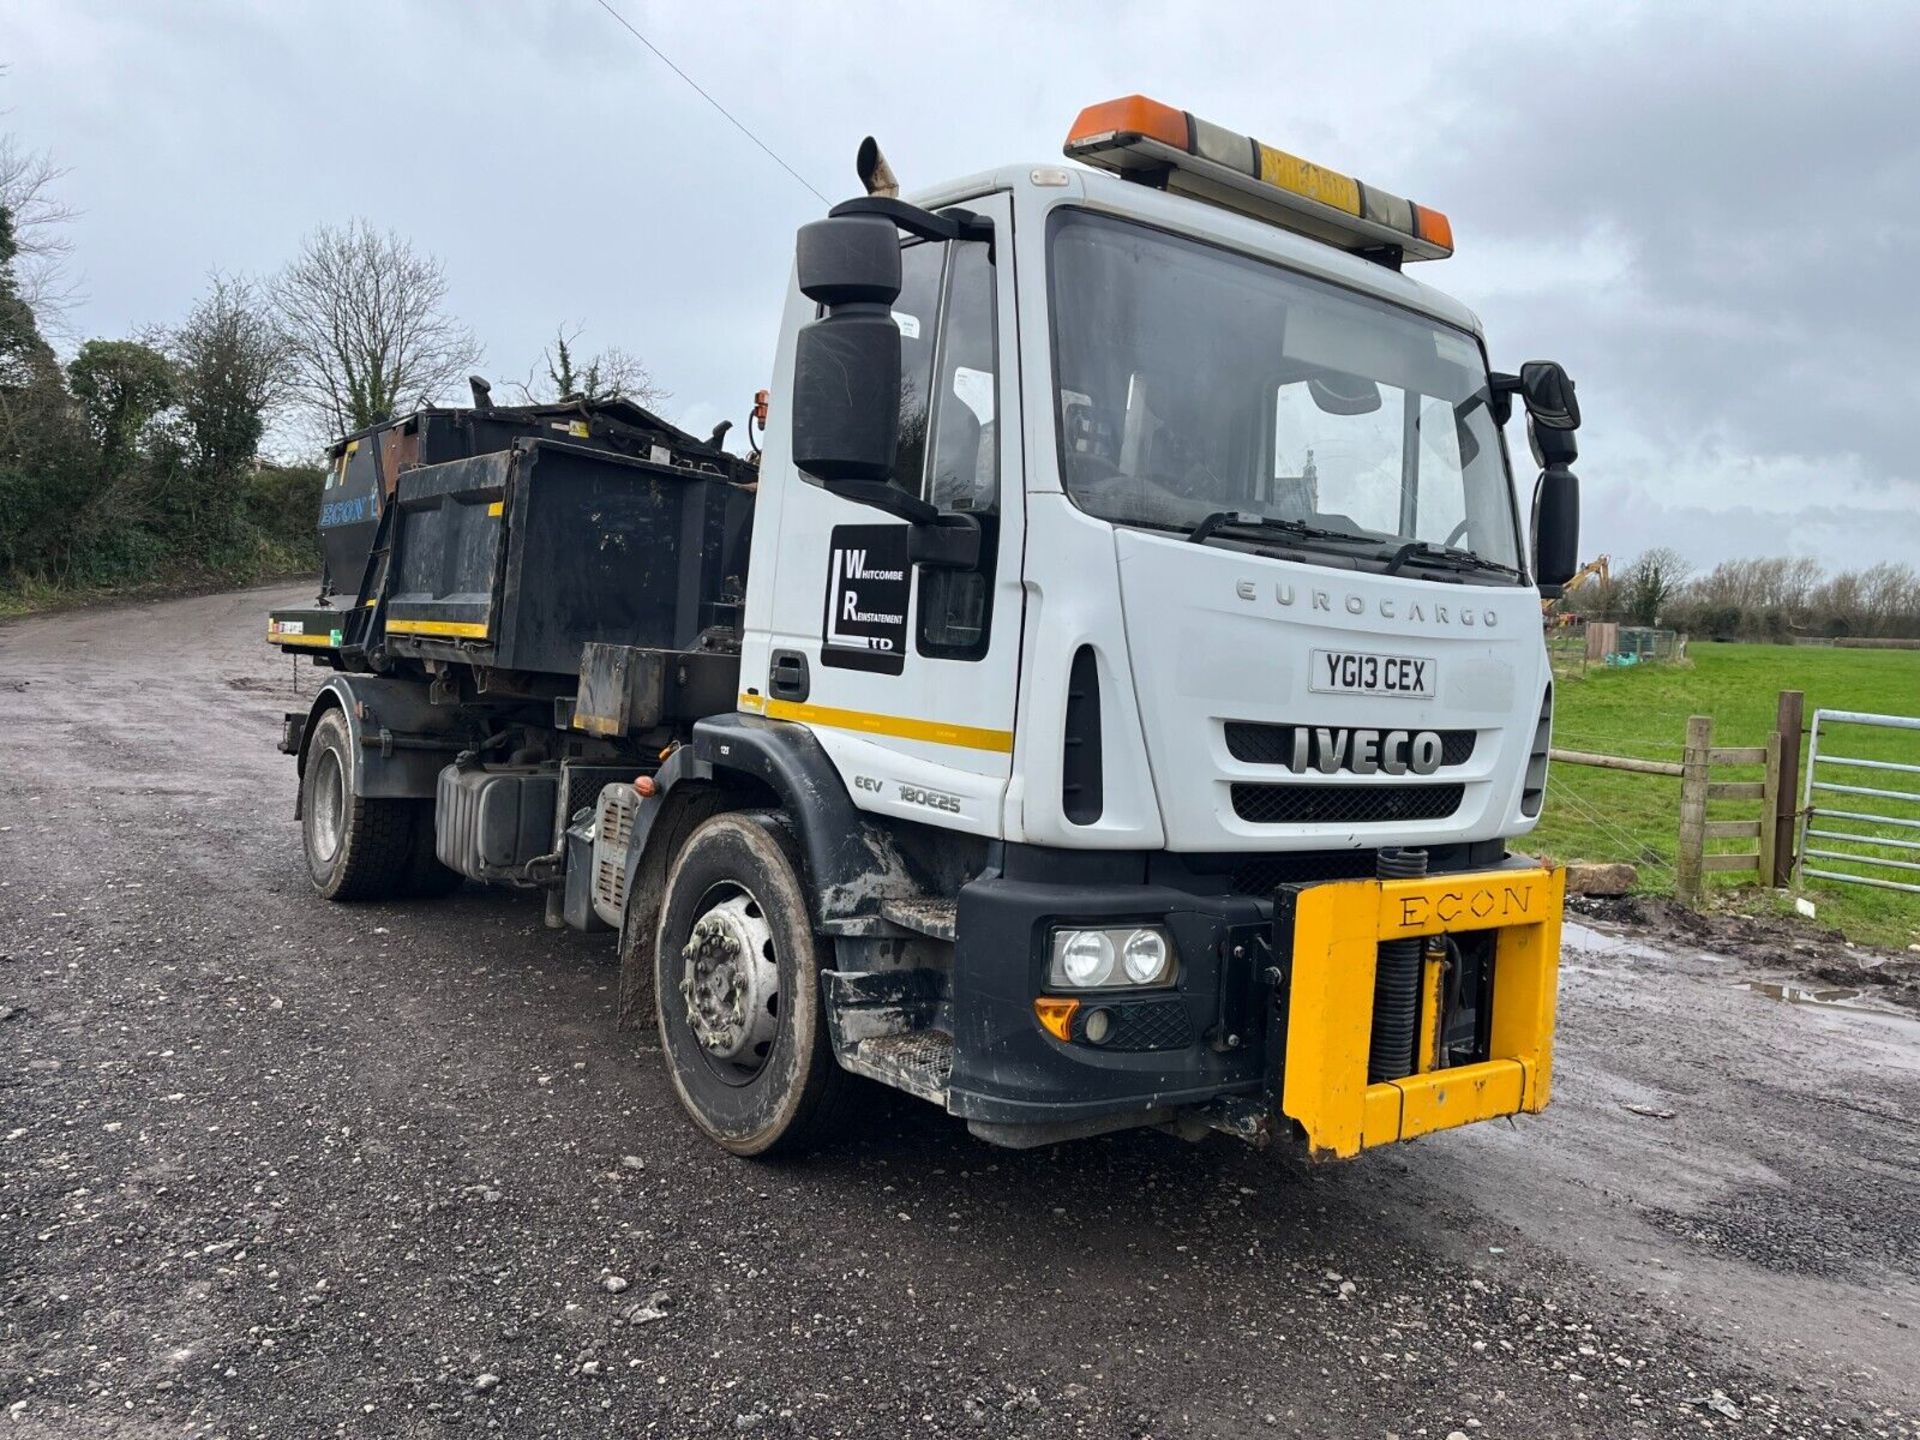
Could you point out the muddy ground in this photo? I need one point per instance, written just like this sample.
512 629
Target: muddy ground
274 1167
1817 962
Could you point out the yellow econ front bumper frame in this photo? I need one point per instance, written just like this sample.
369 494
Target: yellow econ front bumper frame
1337 929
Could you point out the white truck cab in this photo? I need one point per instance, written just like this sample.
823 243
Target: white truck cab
1189 555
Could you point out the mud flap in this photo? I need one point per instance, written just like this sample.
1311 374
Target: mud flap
1327 1004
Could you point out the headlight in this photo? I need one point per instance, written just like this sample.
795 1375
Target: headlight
1086 958
1145 956
1106 959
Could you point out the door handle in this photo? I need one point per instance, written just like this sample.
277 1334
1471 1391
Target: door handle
788 679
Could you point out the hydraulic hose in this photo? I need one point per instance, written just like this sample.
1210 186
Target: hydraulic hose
1396 982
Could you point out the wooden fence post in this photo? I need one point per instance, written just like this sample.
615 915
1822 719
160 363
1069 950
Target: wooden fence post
1769 809
1786 805
1688 864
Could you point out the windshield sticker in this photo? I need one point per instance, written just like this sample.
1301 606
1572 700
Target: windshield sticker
869 585
1456 349
974 389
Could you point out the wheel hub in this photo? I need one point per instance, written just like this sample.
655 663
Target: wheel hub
326 816
730 982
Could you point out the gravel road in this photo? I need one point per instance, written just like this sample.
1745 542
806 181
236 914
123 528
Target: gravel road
275 1167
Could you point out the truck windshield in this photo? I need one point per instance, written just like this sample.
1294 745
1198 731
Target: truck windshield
1194 384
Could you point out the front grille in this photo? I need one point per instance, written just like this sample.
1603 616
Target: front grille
1139 1024
1258 744
1267 873
1344 804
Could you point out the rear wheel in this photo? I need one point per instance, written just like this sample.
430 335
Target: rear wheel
357 848
737 991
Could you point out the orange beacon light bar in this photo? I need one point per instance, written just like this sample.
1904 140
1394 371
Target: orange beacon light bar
1145 140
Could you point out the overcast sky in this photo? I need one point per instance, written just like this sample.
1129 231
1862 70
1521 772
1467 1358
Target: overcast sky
1708 214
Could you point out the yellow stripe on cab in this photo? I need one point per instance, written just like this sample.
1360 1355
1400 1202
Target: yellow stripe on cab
866 722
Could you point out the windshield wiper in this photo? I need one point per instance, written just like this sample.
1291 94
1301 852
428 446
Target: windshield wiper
1246 520
1439 557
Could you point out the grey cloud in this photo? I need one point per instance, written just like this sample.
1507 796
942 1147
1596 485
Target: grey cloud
1708 534
1757 173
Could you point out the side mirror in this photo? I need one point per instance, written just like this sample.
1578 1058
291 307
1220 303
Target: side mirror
1556 529
1548 391
1553 413
846 364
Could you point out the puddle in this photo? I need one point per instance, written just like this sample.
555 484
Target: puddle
1833 997
1824 997
1594 941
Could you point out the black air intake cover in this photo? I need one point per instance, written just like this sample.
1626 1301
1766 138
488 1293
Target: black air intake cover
1081 793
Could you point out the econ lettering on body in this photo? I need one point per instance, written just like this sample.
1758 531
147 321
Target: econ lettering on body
1478 904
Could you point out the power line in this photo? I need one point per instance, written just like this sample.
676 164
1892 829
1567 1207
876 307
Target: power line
661 57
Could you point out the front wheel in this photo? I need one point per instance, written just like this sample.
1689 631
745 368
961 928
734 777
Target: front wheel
737 991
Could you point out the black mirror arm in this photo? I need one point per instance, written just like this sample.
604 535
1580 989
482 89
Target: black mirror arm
946 540
1501 388
883 495
951 541
950 224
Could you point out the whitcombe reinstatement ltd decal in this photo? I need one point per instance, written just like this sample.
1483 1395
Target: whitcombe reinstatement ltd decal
869 587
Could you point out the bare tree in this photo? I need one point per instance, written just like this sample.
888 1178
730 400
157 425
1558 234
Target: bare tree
29 192
612 374
1776 597
1838 604
1889 596
367 330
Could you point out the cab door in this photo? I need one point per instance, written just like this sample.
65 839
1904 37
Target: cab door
907 673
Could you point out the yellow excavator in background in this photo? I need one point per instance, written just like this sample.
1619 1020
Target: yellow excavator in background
1599 568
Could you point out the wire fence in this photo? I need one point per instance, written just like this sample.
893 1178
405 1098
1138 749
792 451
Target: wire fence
1632 847
1764 776
1644 645
1574 644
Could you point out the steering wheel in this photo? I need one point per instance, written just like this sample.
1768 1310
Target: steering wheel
1453 535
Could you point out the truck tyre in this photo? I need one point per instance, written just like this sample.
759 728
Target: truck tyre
357 848
737 990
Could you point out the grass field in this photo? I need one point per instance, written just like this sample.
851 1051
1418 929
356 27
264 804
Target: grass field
1642 711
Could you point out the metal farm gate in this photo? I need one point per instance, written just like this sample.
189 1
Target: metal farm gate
1881 821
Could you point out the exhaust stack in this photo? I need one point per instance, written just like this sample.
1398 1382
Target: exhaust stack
874 172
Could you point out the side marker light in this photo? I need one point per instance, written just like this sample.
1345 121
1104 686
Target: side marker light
1055 1015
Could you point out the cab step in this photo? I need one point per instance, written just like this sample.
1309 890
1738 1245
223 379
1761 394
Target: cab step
919 1062
885 1025
933 918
